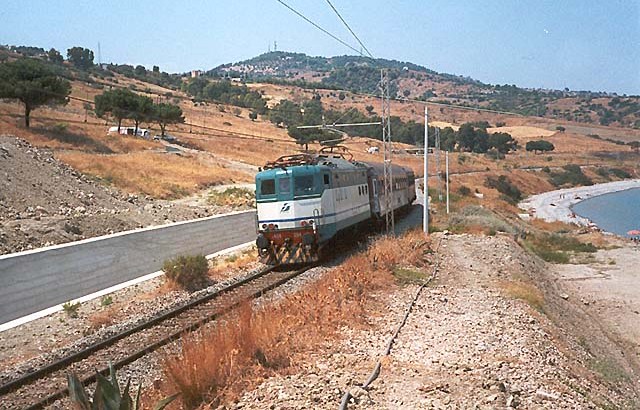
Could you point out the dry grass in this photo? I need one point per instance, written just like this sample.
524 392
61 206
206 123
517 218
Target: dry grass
226 266
526 292
103 318
155 174
216 365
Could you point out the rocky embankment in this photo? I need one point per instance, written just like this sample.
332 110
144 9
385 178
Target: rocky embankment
487 335
44 202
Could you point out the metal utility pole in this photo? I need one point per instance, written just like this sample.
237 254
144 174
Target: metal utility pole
446 162
425 206
386 141
438 167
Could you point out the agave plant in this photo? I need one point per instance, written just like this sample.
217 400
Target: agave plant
107 395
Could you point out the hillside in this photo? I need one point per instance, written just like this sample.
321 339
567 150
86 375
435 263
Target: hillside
412 81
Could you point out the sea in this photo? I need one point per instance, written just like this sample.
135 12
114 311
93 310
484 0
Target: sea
617 212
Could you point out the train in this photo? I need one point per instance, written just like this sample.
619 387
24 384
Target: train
304 201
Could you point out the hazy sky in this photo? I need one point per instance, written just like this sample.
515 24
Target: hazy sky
580 44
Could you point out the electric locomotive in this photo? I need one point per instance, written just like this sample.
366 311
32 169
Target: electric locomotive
305 200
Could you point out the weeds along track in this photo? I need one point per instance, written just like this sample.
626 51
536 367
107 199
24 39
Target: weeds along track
43 386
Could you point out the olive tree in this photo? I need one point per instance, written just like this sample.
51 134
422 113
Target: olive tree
165 114
33 83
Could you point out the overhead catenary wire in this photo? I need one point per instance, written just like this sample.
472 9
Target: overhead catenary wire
308 20
349 28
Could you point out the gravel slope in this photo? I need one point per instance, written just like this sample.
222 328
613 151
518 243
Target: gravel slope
45 202
466 345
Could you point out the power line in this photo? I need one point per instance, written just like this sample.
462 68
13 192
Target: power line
349 28
318 27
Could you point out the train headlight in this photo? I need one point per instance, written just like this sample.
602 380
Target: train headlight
303 223
264 226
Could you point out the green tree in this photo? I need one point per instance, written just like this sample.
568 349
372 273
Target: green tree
80 57
32 83
54 56
142 111
253 115
165 114
118 104
156 70
502 142
560 128
539 146
140 71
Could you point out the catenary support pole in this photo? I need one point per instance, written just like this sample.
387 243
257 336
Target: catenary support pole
446 164
425 206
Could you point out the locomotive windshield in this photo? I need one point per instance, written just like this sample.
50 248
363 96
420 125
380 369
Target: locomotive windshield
284 185
268 187
304 185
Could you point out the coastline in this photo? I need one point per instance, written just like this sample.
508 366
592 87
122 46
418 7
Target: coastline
556 205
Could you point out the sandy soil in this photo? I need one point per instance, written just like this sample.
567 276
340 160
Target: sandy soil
556 205
608 288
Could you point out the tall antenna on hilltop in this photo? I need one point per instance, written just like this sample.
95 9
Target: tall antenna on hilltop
99 56
275 46
386 141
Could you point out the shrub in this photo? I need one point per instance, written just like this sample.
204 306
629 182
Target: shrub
464 190
619 173
106 300
505 187
60 128
500 124
572 175
188 272
603 172
555 248
71 309
233 197
476 216
546 170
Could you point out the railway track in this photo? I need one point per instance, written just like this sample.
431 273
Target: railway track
46 385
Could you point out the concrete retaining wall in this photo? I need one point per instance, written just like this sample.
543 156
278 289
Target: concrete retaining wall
34 280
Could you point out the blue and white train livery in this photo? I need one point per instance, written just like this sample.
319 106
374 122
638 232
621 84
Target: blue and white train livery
305 200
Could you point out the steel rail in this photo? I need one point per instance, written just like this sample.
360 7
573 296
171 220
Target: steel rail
84 353
174 336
